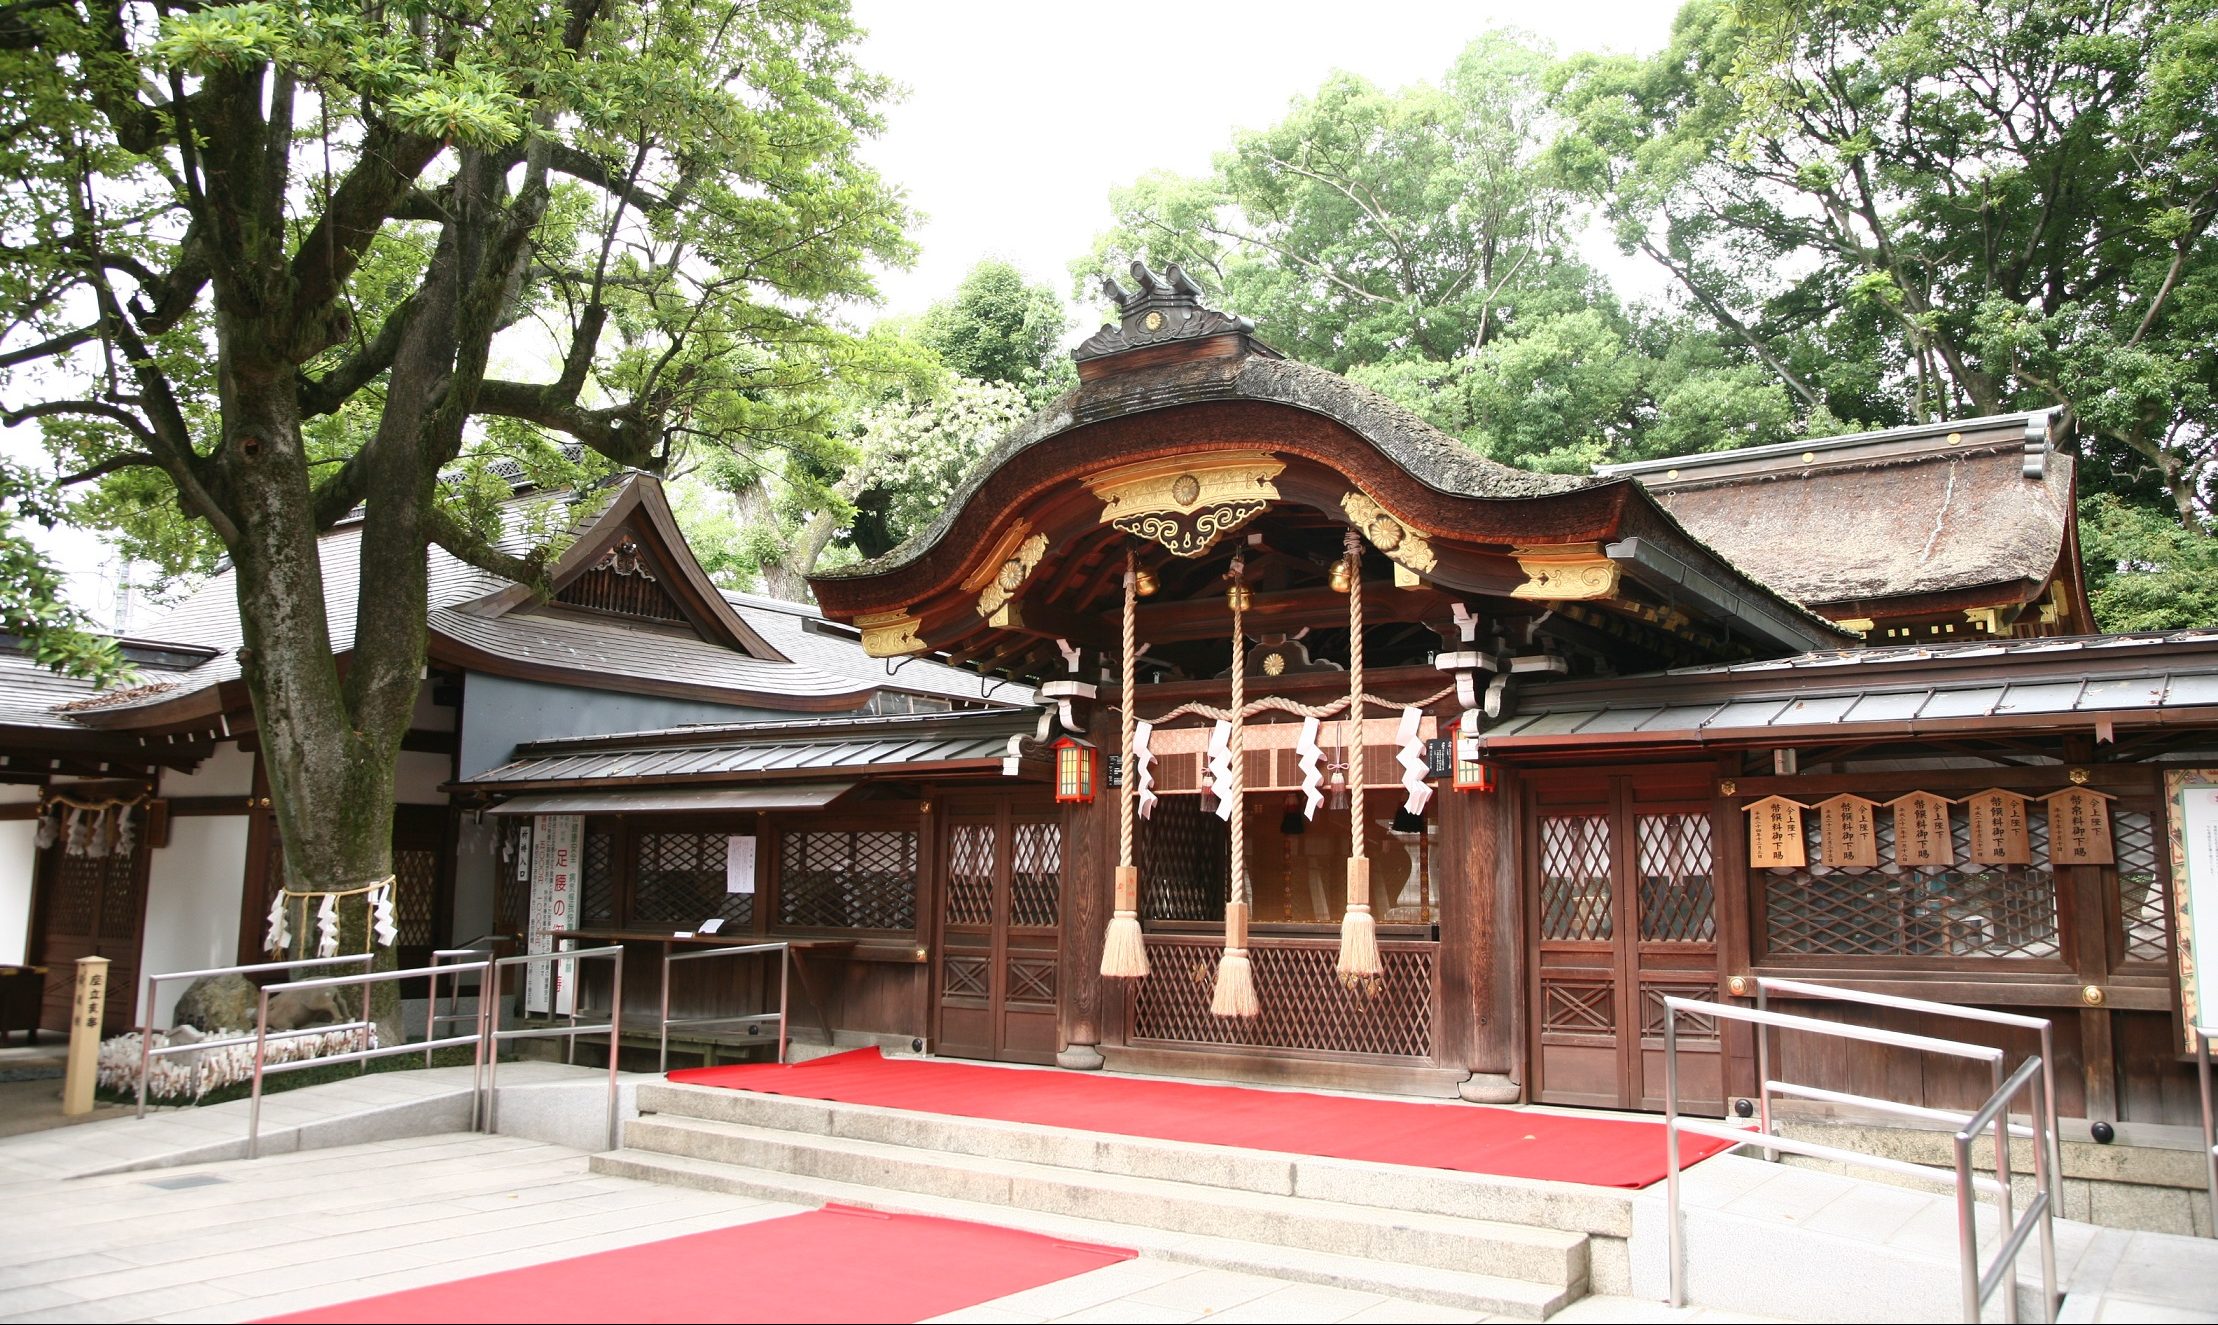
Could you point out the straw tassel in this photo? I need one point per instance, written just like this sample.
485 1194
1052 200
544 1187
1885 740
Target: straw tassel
1235 992
1359 931
1124 955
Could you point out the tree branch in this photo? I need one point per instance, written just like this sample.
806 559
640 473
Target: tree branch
471 548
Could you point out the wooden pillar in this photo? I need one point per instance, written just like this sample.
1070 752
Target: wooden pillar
1089 860
1481 952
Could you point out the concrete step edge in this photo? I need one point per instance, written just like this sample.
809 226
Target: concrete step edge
1464 1290
1305 1206
1600 1211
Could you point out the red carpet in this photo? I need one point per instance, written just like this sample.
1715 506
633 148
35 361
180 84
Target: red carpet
834 1264
1602 1152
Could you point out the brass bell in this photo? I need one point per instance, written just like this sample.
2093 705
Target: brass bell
1144 582
1343 575
1240 597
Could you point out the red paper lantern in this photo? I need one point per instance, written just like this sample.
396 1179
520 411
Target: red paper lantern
1077 765
1472 772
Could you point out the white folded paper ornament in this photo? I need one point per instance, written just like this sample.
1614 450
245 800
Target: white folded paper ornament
1412 760
1220 768
327 927
382 921
1313 772
1143 768
280 935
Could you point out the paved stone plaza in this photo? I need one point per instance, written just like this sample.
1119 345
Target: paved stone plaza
160 1220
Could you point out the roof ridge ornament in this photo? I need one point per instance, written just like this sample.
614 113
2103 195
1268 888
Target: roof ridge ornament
1162 308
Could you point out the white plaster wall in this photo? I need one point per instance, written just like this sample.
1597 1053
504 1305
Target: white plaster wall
18 864
417 777
192 903
227 772
430 714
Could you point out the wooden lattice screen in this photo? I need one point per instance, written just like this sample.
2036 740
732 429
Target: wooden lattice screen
2144 902
1184 855
1304 1004
1965 910
679 880
849 880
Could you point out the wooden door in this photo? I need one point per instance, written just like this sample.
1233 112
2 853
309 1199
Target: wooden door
1619 889
1000 931
91 907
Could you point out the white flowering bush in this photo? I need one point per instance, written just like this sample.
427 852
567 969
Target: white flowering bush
187 1078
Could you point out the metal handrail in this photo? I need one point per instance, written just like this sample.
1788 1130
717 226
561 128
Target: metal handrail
148 1053
2203 1037
1835 993
262 1026
614 1026
785 968
2039 1213
435 1018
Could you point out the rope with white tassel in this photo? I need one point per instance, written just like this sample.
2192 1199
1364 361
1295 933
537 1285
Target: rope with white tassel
1124 953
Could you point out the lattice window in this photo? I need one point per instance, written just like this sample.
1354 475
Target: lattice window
1035 874
2144 902
849 880
1032 979
1575 897
1959 911
597 881
1304 1004
415 891
965 976
1184 855
678 880
970 874
1676 903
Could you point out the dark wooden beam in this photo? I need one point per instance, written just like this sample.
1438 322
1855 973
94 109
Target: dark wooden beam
1207 617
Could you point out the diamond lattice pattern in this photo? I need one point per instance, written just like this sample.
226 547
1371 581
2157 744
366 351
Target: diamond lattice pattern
1184 855
415 889
849 880
2143 900
1675 892
597 881
1944 911
970 874
680 882
1304 1004
1575 878
1035 874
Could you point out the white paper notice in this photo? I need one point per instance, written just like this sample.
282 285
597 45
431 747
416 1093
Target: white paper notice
681 933
739 865
711 925
2199 835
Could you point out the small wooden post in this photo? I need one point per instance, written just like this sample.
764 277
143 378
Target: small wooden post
84 1035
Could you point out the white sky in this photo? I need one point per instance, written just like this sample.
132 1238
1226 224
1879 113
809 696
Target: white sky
1020 116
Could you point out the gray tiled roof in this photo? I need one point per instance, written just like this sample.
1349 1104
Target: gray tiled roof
772 749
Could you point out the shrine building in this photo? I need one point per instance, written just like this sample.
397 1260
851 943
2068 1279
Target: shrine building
1233 722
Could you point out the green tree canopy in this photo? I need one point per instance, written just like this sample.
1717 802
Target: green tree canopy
1908 209
999 328
268 264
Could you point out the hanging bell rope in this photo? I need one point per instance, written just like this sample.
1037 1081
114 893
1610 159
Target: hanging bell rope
1359 932
1235 992
1124 953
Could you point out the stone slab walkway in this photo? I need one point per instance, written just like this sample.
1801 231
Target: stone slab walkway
239 1240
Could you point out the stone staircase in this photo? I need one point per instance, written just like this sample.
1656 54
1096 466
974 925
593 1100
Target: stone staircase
1502 1246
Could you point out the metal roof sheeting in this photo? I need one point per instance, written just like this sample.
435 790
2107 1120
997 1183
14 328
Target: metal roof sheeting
748 759
807 796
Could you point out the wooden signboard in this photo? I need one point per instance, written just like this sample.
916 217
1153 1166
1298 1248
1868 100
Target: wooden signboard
1998 825
1775 834
1848 835
1922 835
2079 827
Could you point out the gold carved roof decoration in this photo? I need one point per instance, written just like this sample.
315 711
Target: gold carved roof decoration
1403 546
890 634
1566 573
1187 503
1011 562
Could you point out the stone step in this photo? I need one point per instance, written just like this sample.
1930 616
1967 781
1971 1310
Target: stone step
1600 1211
1512 1251
1463 1290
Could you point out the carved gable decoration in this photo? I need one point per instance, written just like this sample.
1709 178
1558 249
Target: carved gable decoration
1162 308
1848 836
1402 545
1006 568
1186 504
2079 827
1922 835
622 582
1998 824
